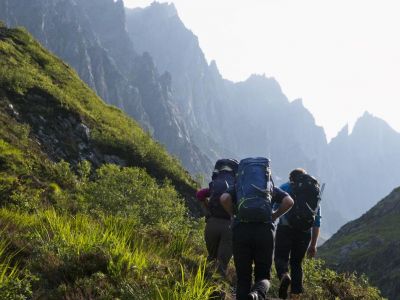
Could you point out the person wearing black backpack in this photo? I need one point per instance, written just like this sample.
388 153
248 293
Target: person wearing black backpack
218 233
295 231
250 202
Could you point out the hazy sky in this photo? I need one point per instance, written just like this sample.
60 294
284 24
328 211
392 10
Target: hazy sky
341 57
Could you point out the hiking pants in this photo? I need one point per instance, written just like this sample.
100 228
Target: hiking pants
218 237
252 243
290 247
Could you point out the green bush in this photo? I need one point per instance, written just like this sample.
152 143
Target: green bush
133 193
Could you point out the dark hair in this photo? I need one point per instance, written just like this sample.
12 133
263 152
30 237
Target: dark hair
296 173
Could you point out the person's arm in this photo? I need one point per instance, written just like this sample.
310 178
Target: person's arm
286 204
312 249
226 202
202 195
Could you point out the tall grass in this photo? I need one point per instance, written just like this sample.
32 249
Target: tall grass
14 283
189 287
7 271
77 235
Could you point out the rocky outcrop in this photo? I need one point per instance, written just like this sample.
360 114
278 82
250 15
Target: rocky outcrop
60 133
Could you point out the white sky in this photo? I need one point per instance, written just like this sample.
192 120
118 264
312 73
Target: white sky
341 57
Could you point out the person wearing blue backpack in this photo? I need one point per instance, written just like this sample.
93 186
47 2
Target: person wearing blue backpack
250 203
295 231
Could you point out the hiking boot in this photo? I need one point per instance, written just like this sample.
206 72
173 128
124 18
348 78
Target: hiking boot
295 296
284 286
252 296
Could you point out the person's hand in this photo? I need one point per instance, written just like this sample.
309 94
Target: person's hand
311 251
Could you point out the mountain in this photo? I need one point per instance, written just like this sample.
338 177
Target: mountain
90 35
370 245
248 118
364 165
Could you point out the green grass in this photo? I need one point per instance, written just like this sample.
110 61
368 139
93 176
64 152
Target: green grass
194 288
14 281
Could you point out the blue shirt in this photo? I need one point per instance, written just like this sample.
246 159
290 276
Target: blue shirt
287 187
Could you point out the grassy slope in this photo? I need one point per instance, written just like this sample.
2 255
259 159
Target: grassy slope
107 233
370 245
26 67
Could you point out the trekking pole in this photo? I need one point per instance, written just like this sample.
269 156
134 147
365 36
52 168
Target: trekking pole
320 198
322 189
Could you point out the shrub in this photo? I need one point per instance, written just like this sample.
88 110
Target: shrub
131 192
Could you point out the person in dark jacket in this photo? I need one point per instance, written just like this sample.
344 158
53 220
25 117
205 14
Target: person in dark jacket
254 243
217 234
291 246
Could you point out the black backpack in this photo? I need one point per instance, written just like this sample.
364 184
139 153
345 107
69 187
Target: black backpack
223 177
306 194
254 189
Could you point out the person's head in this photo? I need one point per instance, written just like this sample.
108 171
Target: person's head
296 173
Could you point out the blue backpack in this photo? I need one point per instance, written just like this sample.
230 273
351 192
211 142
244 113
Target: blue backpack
254 189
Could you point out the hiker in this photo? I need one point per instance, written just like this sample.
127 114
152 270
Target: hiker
218 234
295 231
250 202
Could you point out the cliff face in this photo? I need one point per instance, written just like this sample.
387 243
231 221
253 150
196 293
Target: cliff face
244 119
91 37
370 245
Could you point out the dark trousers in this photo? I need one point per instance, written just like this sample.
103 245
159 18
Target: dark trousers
290 247
218 237
252 243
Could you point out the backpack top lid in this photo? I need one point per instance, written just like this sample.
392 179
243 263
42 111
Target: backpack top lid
226 164
303 181
250 160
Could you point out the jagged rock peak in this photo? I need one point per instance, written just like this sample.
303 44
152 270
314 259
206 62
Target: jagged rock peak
370 122
261 80
298 101
214 68
344 131
166 10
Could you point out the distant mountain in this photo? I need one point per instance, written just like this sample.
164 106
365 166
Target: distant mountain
248 118
370 245
90 35
364 165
